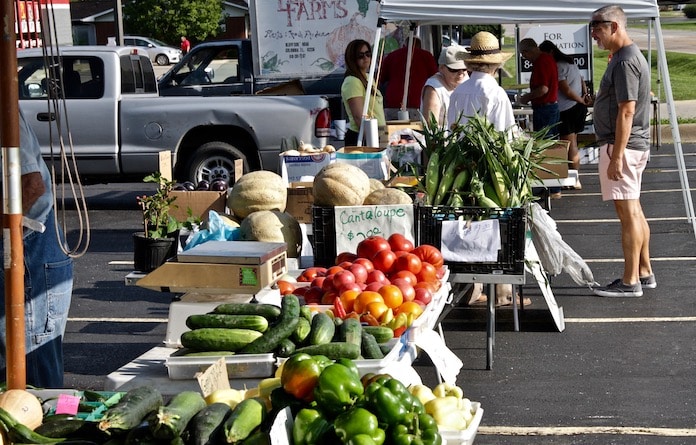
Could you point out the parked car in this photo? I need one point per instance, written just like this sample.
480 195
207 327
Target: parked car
159 52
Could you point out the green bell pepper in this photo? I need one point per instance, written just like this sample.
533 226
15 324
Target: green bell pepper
339 386
310 427
390 400
416 429
355 424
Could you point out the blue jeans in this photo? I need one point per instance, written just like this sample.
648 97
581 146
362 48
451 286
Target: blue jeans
547 116
48 282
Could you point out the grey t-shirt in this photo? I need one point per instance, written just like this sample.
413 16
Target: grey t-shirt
627 78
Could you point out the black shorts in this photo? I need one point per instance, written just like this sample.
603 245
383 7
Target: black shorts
573 119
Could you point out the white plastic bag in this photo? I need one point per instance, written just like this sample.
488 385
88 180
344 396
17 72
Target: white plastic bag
555 254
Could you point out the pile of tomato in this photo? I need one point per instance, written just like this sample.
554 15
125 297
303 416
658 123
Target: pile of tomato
386 277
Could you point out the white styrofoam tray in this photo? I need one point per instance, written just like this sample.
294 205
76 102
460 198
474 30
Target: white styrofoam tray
238 366
467 436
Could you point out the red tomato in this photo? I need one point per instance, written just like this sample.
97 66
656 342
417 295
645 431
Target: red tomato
368 247
425 285
427 273
399 242
313 295
409 262
343 278
365 262
400 253
318 281
430 254
328 284
405 274
407 289
285 287
300 291
374 286
359 271
311 273
377 276
333 270
384 260
328 297
345 256
344 264
423 295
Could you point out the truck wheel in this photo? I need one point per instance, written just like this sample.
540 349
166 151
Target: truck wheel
162 60
215 160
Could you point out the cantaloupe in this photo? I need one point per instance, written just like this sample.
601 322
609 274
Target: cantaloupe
375 184
23 406
273 226
340 184
388 195
258 190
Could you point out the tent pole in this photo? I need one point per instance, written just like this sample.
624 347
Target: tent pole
370 79
407 78
686 190
13 247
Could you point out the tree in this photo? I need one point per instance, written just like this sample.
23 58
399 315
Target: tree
168 20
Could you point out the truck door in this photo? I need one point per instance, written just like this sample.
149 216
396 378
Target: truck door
88 114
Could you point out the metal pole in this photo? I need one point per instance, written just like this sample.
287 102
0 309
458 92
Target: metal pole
13 248
119 23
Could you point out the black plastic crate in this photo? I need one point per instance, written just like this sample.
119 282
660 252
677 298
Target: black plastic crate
512 233
324 234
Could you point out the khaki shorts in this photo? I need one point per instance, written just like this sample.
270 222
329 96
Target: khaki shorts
627 187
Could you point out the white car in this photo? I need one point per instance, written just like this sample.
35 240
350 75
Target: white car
159 52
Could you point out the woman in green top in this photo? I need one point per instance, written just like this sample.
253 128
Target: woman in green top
358 56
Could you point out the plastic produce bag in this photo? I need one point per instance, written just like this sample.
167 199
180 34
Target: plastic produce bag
554 253
217 230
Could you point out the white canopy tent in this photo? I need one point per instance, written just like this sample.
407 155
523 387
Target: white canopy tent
456 12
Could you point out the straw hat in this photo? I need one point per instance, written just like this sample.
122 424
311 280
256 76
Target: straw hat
453 57
485 48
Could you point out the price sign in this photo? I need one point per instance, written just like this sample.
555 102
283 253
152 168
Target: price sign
354 224
214 377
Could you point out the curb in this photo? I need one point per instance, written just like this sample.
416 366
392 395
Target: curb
687 133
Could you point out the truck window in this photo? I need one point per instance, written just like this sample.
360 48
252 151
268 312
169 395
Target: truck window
81 78
137 75
213 66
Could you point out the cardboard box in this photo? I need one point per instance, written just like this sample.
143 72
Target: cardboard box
294 168
396 126
555 158
372 160
300 200
200 202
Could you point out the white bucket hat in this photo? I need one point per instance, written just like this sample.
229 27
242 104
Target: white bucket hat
485 48
453 57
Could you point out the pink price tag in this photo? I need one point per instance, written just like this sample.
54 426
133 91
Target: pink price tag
67 404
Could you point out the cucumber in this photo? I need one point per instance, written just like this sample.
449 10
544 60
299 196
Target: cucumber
268 311
218 339
289 316
255 322
286 348
173 417
140 435
59 425
306 312
323 329
369 346
258 438
133 407
206 425
334 350
304 327
381 333
245 418
350 331
186 352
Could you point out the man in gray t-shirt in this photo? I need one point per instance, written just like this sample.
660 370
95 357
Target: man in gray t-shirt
621 119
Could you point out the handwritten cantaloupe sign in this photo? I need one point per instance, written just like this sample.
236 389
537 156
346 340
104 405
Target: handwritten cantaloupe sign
354 224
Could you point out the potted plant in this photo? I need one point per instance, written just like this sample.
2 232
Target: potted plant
159 239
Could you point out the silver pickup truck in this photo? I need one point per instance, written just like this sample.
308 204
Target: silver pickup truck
118 123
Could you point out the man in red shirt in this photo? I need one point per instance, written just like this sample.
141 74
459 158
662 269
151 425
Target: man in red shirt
543 87
185 45
393 77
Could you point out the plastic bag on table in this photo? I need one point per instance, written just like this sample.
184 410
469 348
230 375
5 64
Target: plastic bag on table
555 254
217 230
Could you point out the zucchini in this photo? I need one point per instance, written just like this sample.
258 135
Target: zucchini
133 407
381 333
286 348
334 350
323 329
304 327
258 438
289 316
269 311
254 322
350 331
173 417
244 419
140 435
186 352
18 433
218 339
206 425
369 346
59 425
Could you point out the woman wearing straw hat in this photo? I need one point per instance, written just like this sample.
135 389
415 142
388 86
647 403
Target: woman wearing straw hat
437 90
481 94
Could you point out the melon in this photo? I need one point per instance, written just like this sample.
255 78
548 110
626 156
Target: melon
273 226
375 184
388 195
23 406
340 184
258 190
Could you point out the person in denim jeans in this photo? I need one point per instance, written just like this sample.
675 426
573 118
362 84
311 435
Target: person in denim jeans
48 277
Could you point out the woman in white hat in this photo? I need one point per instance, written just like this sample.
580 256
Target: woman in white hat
435 96
481 94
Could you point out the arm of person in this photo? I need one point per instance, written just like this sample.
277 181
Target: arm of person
431 104
624 121
32 189
537 91
356 105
